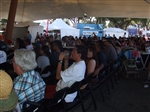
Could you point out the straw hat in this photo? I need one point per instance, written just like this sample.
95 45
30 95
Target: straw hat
8 97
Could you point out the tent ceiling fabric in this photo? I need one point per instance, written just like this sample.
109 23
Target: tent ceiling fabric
28 10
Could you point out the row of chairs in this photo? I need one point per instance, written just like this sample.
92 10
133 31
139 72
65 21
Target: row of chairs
57 103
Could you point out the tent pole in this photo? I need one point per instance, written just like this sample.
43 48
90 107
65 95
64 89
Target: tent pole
11 18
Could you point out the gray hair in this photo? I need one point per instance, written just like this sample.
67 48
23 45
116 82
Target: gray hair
26 59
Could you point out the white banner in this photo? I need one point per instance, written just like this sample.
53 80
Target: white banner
90 32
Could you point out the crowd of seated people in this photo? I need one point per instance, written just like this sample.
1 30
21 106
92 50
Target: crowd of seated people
89 55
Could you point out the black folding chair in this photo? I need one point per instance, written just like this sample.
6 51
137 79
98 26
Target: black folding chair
30 106
47 69
78 100
113 69
54 104
88 89
50 80
101 79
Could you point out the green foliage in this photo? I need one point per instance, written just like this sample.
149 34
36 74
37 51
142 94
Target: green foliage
3 21
67 22
119 22
122 23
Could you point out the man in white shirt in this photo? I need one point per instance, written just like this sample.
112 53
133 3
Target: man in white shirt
74 73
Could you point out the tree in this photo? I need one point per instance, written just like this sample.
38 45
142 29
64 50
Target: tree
3 21
122 23
66 21
75 20
142 22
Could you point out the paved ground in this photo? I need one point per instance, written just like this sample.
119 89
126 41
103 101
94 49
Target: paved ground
129 95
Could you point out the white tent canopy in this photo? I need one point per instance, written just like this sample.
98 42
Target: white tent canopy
33 31
43 23
20 30
115 31
28 10
65 30
50 26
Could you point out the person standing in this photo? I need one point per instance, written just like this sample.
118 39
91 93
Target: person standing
28 36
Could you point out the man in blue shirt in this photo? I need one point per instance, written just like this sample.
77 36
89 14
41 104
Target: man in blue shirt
29 36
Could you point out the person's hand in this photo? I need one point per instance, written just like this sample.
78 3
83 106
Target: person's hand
61 56
96 72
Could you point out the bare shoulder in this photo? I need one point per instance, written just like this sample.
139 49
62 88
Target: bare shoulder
91 62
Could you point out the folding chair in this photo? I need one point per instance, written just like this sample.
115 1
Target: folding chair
88 89
112 71
102 77
30 106
78 100
54 104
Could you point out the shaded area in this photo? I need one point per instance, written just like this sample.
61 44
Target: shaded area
129 95
44 9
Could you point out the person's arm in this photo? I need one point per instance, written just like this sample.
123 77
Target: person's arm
66 59
98 69
91 66
65 64
59 66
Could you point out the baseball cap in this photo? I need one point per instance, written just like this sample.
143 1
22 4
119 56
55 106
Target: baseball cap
8 97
